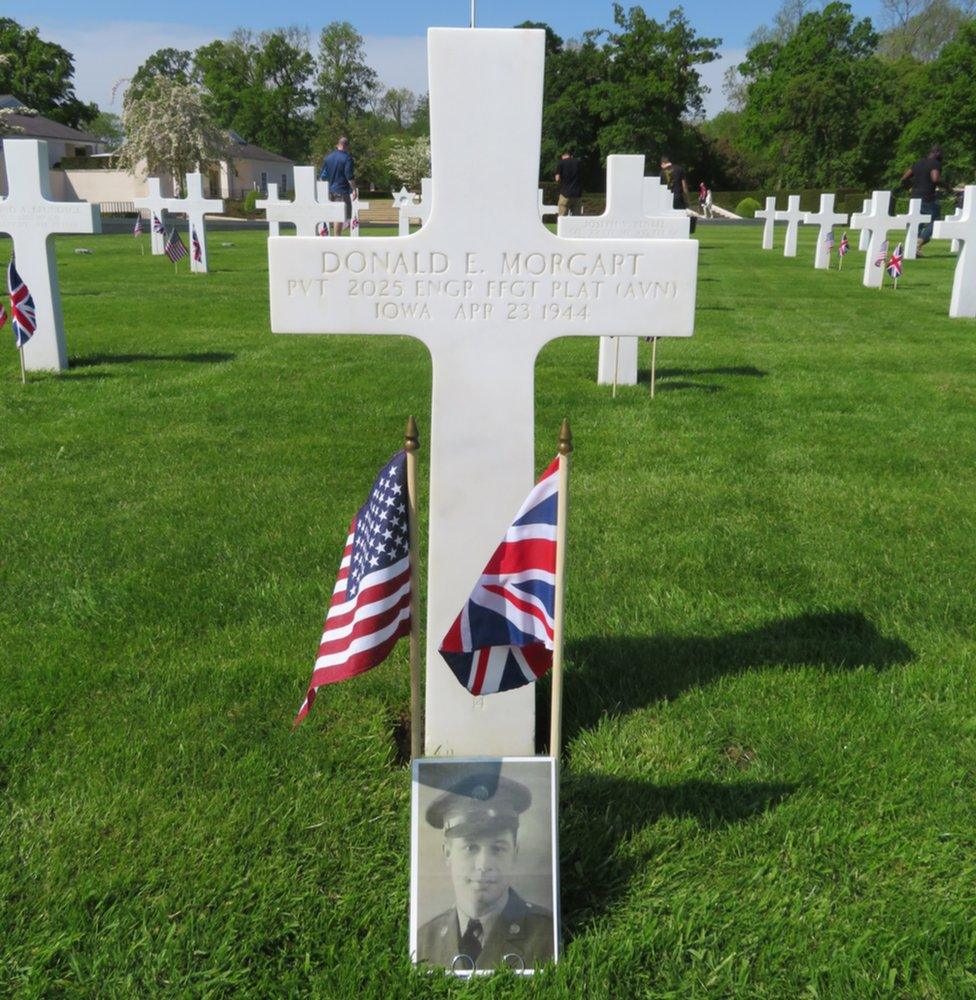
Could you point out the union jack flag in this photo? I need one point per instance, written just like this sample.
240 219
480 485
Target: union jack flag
24 317
829 241
882 254
503 637
157 226
3 316
355 219
894 265
370 607
197 249
322 229
137 228
175 248
845 246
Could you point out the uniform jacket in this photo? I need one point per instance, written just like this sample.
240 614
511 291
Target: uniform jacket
522 929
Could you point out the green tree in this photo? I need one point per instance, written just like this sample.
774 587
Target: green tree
943 110
398 105
39 74
107 127
821 107
918 29
345 85
174 64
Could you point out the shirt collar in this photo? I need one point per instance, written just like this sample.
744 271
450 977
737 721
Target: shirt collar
487 920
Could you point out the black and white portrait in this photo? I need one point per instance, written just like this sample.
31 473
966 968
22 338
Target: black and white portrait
484 885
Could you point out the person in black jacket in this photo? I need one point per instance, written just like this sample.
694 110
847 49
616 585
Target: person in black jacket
923 177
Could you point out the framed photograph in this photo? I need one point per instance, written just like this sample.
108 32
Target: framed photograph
484 872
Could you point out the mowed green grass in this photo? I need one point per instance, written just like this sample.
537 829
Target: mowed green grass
769 786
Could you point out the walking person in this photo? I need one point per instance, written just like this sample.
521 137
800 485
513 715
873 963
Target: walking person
339 170
677 181
923 178
570 185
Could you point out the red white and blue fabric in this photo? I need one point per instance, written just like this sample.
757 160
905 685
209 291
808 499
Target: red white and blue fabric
894 265
370 607
157 226
197 249
882 254
845 246
24 316
829 241
322 229
3 316
502 639
137 228
175 248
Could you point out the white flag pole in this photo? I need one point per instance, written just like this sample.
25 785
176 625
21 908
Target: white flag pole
411 444
559 600
653 364
23 369
616 363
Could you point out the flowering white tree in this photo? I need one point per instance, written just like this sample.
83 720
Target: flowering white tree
409 161
168 129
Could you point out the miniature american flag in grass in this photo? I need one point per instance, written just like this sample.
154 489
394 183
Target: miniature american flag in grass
845 246
137 228
22 304
882 254
197 249
175 248
829 241
157 226
502 639
370 607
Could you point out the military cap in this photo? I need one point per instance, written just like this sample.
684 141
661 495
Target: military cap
479 803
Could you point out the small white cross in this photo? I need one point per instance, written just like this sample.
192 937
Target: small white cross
769 214
307 211
962 227
402 200
274 227
876 220
865 238
912 219
792 216
826 219
31 217
157 205
194 206
354 217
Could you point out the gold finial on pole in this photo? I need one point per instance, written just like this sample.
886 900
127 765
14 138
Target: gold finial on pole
411 439
565 438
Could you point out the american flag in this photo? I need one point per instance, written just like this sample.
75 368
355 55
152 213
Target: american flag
370 607
175 248
24 317
355 219
502 639
195 243
137 228
845 246
322 229
894 265
882 254
157 226
829 241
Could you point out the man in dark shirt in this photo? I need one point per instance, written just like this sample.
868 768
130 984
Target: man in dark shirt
923 177
338 170
677 181
570 185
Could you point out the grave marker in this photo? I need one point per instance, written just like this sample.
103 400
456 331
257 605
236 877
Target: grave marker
962 227
274 226
634 211
875 221
865 237
354 218
156 205
31 217
306 211
912 219
402 200
194 206
484 299
826 218
792 216
769 214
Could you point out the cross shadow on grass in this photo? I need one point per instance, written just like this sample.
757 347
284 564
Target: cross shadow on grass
750 371
600 813
201 357
619 674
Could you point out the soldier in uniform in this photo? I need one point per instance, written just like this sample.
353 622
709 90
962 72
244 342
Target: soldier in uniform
490 925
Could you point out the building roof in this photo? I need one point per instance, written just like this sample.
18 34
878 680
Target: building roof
244 150
39 127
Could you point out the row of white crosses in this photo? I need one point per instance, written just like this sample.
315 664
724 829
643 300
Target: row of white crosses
484 299
637 207
195 206
310 209
31 217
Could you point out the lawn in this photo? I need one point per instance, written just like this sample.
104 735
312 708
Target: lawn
769 784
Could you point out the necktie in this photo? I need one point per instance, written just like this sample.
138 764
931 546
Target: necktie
471 940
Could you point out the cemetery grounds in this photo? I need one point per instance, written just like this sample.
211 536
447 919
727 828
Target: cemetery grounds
769 784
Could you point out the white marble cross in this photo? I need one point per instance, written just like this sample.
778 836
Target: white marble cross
826 219
792 216
955 217
421 209
865 238
354 218
307 211
156 204
31 217
962 227
274 226
875 221
545 209
769 214
485 286
634 210
194 206
912 219
402 200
